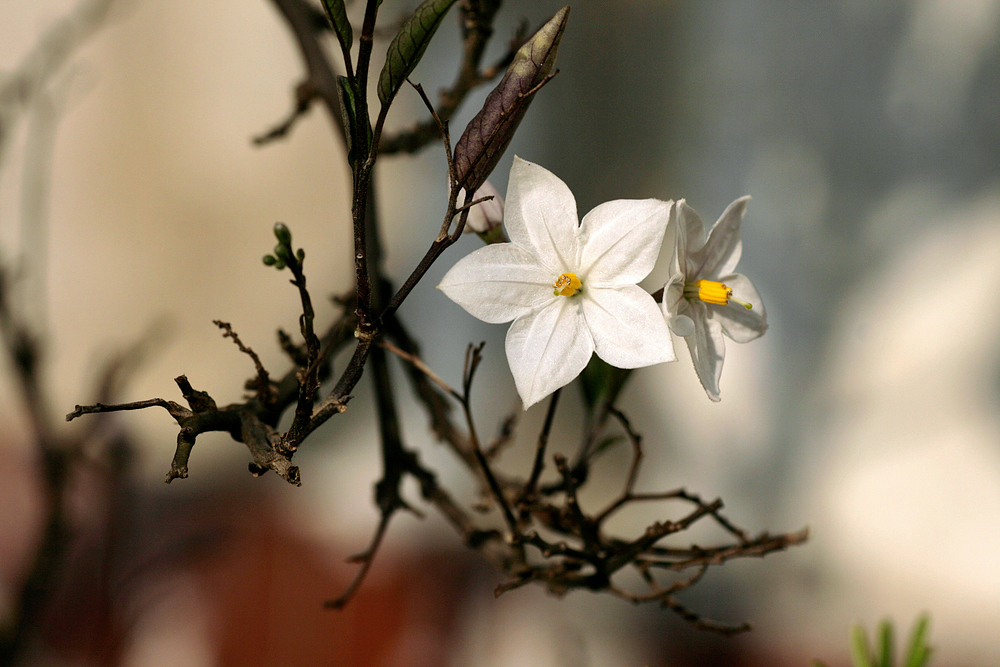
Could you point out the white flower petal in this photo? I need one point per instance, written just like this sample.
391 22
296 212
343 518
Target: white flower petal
689 237
682 325
676 266
708 349
674 304
540 215
547 349
621 240
737 322
498 283
628 328
721 252
675 308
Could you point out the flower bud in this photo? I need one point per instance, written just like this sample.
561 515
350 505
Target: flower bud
488 134
282 233
485 218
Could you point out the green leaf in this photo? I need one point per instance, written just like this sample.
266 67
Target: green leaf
595 380
337 14
349 115
409 45
861 652
919 654
490 131
885 644
600 382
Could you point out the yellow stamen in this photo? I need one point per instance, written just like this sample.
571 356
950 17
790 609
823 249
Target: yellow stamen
710 291
566 285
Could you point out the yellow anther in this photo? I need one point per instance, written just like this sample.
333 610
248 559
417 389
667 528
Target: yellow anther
566 285
710 291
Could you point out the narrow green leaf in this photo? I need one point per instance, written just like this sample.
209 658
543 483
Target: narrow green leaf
409 45
490 131
919 654
885 644
337 14
921 657
349 115
861 652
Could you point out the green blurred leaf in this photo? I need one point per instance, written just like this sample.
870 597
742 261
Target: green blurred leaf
601 382
595 380
337 14
861 652
490 131
349 115
409 45
919 654
608 442
885 644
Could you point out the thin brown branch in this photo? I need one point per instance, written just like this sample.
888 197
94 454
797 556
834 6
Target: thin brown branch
504 439
263 381
419 364
435 403
176 410
320 81
696 556
472 358
305 93
365 558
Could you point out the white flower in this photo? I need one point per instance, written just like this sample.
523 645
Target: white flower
699 301
569 287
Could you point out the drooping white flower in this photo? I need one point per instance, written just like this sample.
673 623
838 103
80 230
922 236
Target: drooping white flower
569 287
704 297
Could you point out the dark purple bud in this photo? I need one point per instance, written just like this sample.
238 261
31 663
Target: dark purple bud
488 134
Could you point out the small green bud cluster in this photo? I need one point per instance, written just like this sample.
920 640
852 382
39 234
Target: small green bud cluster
283 255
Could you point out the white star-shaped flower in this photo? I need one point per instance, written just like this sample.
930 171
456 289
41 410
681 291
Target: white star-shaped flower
704 298
569 287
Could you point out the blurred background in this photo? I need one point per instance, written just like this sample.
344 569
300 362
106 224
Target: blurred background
133 206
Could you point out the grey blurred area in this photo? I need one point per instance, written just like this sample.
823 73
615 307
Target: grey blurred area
868 134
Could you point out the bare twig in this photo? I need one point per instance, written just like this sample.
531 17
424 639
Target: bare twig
320 80
263 382
422 367
543 441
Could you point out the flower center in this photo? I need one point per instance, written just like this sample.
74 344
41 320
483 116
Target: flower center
566 284
710 291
